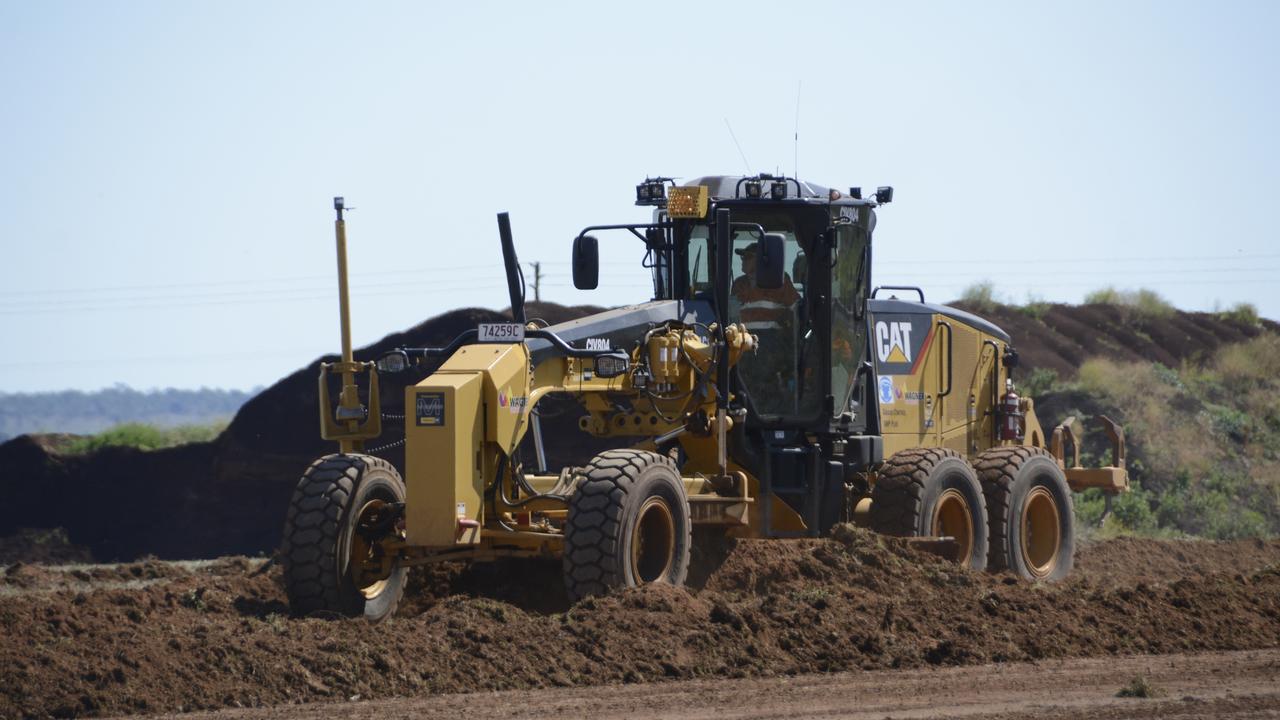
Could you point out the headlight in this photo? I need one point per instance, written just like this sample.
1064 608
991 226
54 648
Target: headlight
393 362
609 366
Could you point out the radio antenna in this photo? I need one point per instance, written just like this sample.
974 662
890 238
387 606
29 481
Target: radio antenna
795 157
737 145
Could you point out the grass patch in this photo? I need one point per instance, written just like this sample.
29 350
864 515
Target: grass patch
1035 308
1143 302
145 437
1139 687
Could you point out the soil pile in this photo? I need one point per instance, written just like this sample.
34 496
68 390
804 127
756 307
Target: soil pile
1062 337
161 636
49 547
228 497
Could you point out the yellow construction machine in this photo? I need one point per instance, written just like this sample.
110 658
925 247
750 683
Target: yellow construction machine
765 391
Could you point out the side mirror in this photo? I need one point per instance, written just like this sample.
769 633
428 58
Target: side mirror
586 262
769 261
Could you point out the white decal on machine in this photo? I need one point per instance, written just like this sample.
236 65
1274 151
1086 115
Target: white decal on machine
893 341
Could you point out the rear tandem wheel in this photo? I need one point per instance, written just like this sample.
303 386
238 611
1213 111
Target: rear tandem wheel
1032 526
932 492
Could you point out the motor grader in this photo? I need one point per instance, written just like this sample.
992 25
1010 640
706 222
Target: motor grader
766 391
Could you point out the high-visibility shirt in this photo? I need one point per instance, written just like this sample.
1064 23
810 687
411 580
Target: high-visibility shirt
764 309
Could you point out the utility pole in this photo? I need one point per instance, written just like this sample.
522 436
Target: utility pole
537 281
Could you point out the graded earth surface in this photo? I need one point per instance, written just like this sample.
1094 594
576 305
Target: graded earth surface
768 620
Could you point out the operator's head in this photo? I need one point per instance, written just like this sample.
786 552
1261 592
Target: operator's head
748 255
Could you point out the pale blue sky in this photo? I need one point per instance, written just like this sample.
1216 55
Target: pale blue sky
168 167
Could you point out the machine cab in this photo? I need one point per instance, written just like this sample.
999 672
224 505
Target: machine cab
810 371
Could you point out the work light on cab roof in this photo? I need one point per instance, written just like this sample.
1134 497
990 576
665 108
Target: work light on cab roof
653 191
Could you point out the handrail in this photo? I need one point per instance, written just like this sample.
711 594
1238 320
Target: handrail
950 344
897 287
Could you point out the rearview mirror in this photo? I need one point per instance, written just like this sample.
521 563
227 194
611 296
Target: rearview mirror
769 261
586 262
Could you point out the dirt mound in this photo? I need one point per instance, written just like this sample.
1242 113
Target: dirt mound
1062 337
216 635
49 547
226 497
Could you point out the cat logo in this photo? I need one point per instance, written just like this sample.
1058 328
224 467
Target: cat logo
893 341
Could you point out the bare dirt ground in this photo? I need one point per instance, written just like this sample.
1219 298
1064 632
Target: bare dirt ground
1219 685
154 637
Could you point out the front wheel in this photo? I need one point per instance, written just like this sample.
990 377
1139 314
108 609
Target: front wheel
339 510
628 524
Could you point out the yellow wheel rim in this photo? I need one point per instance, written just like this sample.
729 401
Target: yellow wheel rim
653 541
1041 531
952 518
361 551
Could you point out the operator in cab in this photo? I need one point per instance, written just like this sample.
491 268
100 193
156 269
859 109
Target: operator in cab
770 374
761 309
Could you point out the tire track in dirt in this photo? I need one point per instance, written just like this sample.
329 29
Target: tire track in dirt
1217 685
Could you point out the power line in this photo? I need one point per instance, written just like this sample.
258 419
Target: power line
1049 262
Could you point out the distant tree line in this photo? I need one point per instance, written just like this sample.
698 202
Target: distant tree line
82 413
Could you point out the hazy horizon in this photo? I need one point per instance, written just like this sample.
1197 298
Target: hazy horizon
170 167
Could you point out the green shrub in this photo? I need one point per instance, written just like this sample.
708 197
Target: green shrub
1244 313
1039 382
1229 422
1139 687
1133 510
980 296
1149 302
1035 309
1103 296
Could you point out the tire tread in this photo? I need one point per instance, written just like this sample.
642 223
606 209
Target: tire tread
312 530
593 528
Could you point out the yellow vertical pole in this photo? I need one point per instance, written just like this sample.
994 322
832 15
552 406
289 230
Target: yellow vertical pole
340 228
349 408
